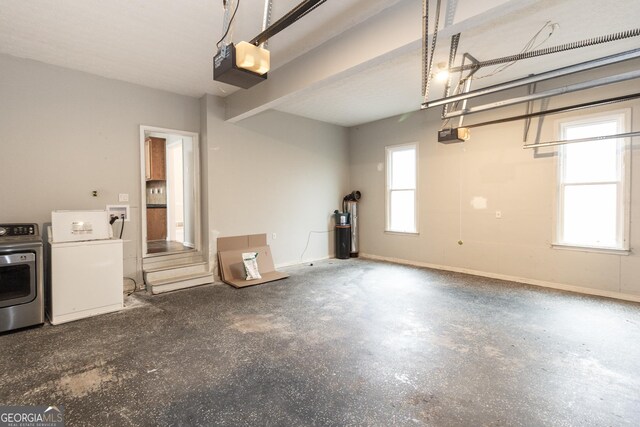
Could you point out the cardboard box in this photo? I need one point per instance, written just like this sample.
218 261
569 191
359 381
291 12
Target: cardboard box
230 250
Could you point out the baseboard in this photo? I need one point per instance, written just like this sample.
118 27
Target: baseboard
294 263
524 280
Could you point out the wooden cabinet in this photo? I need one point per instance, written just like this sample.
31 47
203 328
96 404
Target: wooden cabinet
156 223
155 159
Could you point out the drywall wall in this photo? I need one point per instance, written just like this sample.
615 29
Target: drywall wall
456 182
274 173
64 133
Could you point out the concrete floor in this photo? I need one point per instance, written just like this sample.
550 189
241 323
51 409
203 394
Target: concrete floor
340 343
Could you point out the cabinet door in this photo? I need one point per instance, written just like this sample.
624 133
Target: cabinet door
157 159
156 224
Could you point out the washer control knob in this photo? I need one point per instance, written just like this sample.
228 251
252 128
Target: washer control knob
3 231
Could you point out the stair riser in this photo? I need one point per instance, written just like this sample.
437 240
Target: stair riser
162 262
168 287
151 276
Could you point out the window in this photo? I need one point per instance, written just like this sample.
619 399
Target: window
592 193
401 188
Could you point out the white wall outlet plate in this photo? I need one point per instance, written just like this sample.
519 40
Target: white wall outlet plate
123 197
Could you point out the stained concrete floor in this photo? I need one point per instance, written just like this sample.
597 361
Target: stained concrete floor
341 343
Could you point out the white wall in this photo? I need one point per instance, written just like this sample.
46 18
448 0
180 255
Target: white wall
519 183
274 173
65 133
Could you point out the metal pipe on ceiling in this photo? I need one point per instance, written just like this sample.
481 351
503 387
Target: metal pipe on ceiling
527 123
289 18
557 49
453 51
466 80
266 21
558 110
428 59
425 46
571 69
573 141
548 93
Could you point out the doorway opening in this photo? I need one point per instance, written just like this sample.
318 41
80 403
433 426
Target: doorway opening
170 192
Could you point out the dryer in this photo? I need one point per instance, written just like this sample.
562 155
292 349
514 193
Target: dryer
21 277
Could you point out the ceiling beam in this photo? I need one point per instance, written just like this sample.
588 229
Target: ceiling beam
389 34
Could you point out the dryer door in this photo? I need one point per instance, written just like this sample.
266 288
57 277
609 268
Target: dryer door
17 278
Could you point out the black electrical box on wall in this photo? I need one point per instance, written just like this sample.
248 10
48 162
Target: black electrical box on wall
226 71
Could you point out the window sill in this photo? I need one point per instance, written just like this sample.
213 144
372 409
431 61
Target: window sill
402 233
609 251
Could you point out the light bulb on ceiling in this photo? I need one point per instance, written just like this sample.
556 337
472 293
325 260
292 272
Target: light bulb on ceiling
442 75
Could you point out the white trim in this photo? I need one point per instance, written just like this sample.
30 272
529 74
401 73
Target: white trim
594 249
196 188
402 233
623 119
523 280
387 191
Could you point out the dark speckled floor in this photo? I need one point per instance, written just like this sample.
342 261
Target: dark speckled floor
341 343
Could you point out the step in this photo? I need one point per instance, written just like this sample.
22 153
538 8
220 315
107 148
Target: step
168 272
152 263
181 282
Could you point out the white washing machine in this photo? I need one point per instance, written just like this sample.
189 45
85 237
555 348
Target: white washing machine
84 276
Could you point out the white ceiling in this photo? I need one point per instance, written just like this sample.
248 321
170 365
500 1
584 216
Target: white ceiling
394 87
169 44
164 44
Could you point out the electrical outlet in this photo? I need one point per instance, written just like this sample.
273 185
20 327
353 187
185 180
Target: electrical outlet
123 197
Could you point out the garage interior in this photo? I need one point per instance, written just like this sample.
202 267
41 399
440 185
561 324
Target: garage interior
492 280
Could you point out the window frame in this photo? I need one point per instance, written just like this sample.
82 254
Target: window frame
389 150
623 183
